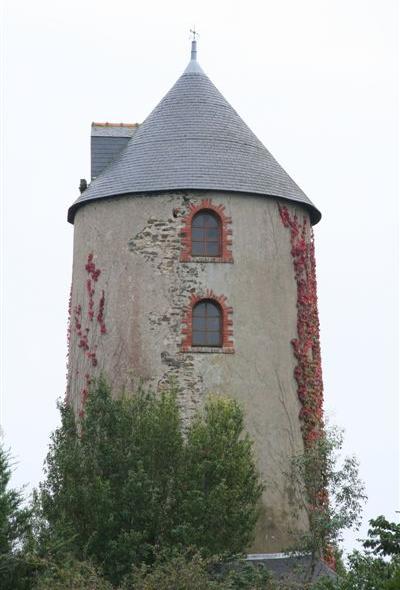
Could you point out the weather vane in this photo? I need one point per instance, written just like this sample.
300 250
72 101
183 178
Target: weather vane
194 33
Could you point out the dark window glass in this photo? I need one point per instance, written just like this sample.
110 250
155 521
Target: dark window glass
212 248
207 324
213 339
197 249
213 234
206 235
197 233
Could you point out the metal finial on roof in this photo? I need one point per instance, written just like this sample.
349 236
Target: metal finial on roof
193 54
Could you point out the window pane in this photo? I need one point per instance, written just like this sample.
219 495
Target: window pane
212 248
212 234
198 249
199 339
210 220
212 310
199 323
198 220
200 310
213 324
213 338
198 234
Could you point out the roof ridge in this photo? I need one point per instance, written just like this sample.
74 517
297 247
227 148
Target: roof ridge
107 124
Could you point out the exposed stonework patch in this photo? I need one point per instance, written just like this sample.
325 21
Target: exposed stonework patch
159 244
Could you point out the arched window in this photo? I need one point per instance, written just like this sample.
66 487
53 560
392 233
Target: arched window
206 234
207 324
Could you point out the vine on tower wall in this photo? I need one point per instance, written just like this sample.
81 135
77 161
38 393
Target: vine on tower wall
83 323
308 371
306 347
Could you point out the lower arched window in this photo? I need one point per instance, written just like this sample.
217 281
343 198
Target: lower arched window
207 324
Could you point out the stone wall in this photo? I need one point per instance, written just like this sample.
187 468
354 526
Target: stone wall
136 243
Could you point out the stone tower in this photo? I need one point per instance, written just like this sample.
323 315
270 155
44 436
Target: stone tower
193 260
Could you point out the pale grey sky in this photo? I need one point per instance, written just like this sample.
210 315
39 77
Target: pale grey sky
316 80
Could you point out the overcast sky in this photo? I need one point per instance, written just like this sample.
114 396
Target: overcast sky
316 80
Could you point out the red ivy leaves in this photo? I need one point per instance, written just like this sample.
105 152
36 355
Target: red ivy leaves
306 346
83 333
100 314
91 268
90 292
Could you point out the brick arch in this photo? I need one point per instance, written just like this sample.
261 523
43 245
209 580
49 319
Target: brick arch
226 233
227 323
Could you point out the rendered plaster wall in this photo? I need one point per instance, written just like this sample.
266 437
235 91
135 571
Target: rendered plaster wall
136 243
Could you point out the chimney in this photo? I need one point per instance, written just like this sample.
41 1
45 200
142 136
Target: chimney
107 141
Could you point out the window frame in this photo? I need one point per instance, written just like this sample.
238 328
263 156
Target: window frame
204 229
226 329
225 244
206 318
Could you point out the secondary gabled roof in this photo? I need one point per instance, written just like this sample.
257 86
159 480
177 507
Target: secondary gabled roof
194 139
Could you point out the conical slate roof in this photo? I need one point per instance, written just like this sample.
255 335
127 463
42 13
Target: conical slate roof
194 139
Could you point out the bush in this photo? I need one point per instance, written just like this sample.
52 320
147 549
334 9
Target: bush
193 572
71 575
178 573
124 483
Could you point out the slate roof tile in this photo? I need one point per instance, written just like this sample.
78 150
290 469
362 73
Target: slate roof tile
194 139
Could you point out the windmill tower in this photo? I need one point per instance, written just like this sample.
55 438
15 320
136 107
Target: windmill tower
193 260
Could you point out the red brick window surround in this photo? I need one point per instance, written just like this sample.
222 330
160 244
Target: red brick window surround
208 237
207 324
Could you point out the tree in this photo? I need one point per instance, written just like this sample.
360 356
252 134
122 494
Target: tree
384 537
220 483
377 567
330 493
124 482
14 526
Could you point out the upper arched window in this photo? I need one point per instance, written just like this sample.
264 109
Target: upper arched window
207 324
206 234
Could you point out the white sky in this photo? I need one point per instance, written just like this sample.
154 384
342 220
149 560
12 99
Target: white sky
316 80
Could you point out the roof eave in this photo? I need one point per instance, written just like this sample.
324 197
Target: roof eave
315 214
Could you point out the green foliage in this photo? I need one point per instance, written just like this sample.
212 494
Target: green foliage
125 482
14 527
219 485
378 569
246 576
178 572
71 575
331 493
384 537
194 572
